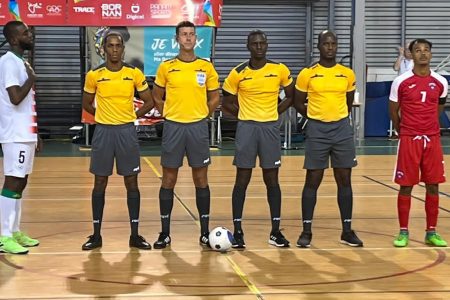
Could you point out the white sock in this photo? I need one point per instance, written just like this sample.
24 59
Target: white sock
16 225
7 214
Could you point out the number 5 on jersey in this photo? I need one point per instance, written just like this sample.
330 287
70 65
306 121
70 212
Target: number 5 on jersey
22 157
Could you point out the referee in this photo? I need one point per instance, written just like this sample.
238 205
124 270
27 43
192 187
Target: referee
112 85
251 94
190 87
330 89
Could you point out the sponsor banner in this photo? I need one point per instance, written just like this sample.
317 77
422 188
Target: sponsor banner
143 12
160 44
112 12
5 16
38 12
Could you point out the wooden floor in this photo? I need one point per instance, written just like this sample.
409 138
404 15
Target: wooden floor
57 211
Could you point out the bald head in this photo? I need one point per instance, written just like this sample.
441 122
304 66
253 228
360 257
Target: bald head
324 34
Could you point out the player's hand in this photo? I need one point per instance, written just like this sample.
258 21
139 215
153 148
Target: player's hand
40 144
401 51
30 71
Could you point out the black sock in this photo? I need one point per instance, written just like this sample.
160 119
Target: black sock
274 199
134 204
309 199
203 200
345 201
98 203
165 208
237 201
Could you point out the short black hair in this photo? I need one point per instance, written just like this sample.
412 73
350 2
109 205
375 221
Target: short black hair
184 24
123 30
325 32
10 29
256 32
419 41
110 33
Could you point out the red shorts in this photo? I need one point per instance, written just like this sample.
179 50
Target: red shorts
419 159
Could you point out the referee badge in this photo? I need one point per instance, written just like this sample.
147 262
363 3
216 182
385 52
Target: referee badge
201 78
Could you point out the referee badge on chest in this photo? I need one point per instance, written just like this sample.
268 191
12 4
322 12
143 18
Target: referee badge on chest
201 78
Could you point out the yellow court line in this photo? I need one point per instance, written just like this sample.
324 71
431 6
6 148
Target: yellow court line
244 277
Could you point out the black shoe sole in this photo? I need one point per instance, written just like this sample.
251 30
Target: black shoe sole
155 246
91 248
350 244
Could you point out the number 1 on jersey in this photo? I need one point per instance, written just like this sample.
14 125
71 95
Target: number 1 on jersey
424 95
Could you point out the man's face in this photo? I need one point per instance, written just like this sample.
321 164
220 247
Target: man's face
24 37
257 45
327 46
114 49
186 38
421 54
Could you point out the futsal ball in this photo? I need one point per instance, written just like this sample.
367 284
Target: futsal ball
220 239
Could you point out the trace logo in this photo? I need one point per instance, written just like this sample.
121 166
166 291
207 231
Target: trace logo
84 9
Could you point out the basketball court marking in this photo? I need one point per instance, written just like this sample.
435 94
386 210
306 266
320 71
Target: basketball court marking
395 189
244 277
262 250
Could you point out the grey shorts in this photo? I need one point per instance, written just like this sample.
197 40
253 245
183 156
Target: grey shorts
260 139
191 139
119 142
329 139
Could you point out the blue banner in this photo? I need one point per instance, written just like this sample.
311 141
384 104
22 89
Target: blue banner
160 44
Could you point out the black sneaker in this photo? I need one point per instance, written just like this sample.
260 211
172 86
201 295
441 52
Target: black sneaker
277 239
163 241
92 243
139 242
304 240
350 238
204 240
238 242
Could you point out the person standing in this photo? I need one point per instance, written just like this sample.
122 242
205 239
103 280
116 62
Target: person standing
18 134
404 61
417 98
251 94
329 88
186 93
113 85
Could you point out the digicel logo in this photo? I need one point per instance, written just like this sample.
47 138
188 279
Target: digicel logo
83 9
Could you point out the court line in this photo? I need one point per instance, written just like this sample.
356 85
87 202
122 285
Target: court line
395 189
262 250
244 277
112 198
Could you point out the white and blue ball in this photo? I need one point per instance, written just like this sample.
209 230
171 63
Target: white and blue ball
220 239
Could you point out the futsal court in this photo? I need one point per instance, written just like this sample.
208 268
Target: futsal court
57 211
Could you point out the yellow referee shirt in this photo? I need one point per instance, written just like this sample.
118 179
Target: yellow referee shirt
114 93
327 91
186 84
258 90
